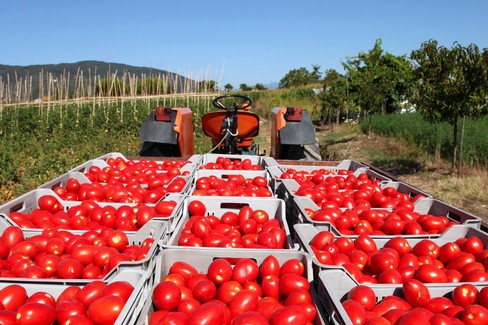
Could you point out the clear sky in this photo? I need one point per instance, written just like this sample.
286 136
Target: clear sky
253 41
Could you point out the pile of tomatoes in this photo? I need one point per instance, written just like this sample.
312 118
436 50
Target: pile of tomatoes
464 260
243 293
465 304
247 228
63 255
97 302
231 164
90 215
234 185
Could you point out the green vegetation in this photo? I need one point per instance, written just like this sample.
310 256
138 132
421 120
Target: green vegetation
436 138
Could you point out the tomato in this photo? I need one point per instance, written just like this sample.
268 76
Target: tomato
390 303
219 271
448 251
166 295
35 313
472 245
291 281
210 313
475 314
297 297
243 301
67 308
49 203
355 311
292 266
438 304
430 274
91 291
117 239
204 290
12 297
464 295
196 207
42 297
426 247
382 260
416 293
245 270
416 316
105 310
174 318
228 290
69 268
12 236
365 243
288 315
400 244
250 317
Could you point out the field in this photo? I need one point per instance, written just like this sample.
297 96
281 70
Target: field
39 142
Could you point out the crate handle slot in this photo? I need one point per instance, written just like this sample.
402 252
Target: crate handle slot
233 205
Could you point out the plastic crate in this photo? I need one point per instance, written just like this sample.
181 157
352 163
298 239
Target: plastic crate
405 188
83 168
155 229
139 279
27 202
202 259
306 232
335 284
224 174
255 160
423 206
218 205
194 159
63 179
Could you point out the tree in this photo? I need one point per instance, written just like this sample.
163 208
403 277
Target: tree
380 80
335 95
244 87
228 87
452 85
259 86
300 77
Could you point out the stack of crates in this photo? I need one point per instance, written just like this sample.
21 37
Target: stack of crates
286 199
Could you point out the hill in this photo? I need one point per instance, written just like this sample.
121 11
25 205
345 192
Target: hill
27 77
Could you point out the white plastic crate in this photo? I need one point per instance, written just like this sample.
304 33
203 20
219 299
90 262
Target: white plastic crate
63 179
84 168
335 284
202 259
306 232
217 205
139 279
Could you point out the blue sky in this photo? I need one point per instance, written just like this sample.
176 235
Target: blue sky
230 41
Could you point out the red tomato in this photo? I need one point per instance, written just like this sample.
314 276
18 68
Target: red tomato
67 308
472 245
36 313
364 295
243 301
12 235
166 295
204 290
49 203
291 281
292 266
210 313
117 239
250 317
475 314
91 291
228 290
431 274
288 315
12 297
426 247
184 269
355 311
416 293
105 310
196 207
219 271
465 295
245 270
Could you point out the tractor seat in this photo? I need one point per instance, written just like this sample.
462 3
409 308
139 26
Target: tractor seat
247 125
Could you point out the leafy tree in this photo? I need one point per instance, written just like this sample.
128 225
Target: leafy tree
300 77
452 85
381 81
335 95
259 86
228 87
244 87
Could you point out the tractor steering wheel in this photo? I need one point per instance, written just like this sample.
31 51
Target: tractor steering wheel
245 102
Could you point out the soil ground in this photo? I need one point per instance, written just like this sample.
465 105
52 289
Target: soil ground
466 191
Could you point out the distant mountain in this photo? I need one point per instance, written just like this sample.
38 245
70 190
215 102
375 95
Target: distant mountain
87 68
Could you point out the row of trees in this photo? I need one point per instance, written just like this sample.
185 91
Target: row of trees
442 84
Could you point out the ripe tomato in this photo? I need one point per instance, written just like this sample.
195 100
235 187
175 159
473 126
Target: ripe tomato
219 271
49 203
475 314
416 293
250 317
90 292
464 295
210 313
204 290
166 295
364 295
36 313
245 270
196 207
12 297
105 310
355 311
243 301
